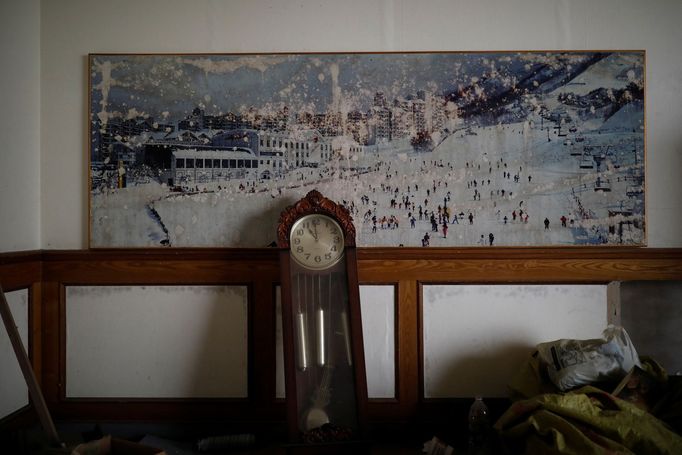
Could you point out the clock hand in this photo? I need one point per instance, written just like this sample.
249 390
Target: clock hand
314 234
315 226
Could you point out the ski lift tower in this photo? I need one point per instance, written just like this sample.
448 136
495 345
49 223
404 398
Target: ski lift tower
600 157
560 122
636 172
601 185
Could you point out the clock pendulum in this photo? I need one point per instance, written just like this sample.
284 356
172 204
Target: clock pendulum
301 326
321 334
316 415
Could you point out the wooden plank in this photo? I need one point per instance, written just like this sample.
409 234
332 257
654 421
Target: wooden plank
472 265
158 272
262 336
51 348
29 376
518 253
522 271
19 271
409 343
35 329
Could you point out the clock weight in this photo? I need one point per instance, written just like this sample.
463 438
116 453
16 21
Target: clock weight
321 332
301 326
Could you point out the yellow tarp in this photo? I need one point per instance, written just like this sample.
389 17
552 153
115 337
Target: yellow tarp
584 421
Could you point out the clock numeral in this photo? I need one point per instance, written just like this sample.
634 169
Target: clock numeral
333 248
307 256
299 249
337 239
297 241
300 232
318 259
328 256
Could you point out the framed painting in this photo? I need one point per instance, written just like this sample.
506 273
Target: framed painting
425 149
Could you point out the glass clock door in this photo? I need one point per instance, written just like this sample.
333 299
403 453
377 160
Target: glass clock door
325 382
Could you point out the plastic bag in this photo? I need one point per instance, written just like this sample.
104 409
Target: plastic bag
573 363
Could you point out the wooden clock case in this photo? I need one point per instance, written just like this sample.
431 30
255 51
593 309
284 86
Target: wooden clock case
345 277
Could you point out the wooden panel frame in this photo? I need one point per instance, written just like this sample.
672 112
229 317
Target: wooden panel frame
252 351
405 338
46 273
196 268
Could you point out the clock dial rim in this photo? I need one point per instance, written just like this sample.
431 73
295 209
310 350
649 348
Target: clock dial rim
325 265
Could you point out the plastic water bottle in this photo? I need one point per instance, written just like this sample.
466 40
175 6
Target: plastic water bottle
479 428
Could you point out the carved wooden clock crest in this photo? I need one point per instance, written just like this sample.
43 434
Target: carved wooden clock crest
326 386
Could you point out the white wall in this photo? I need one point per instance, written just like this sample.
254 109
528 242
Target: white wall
20 125
72 29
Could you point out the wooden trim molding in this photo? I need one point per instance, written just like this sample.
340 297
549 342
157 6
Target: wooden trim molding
381 265
521 265
473 265
20 270
46 274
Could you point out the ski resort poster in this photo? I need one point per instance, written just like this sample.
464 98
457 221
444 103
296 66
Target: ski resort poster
457 149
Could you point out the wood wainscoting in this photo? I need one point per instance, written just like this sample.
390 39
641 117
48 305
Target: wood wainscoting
47 273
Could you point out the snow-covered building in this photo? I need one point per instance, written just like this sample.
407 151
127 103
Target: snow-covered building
191 165
283 147
283 151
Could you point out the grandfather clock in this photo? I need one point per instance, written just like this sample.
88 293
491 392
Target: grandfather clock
324 364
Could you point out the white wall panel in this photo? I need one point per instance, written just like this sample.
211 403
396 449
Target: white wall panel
476 337
378 332
13 389
156 341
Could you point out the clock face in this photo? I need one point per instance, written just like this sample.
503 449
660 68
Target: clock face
316 242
